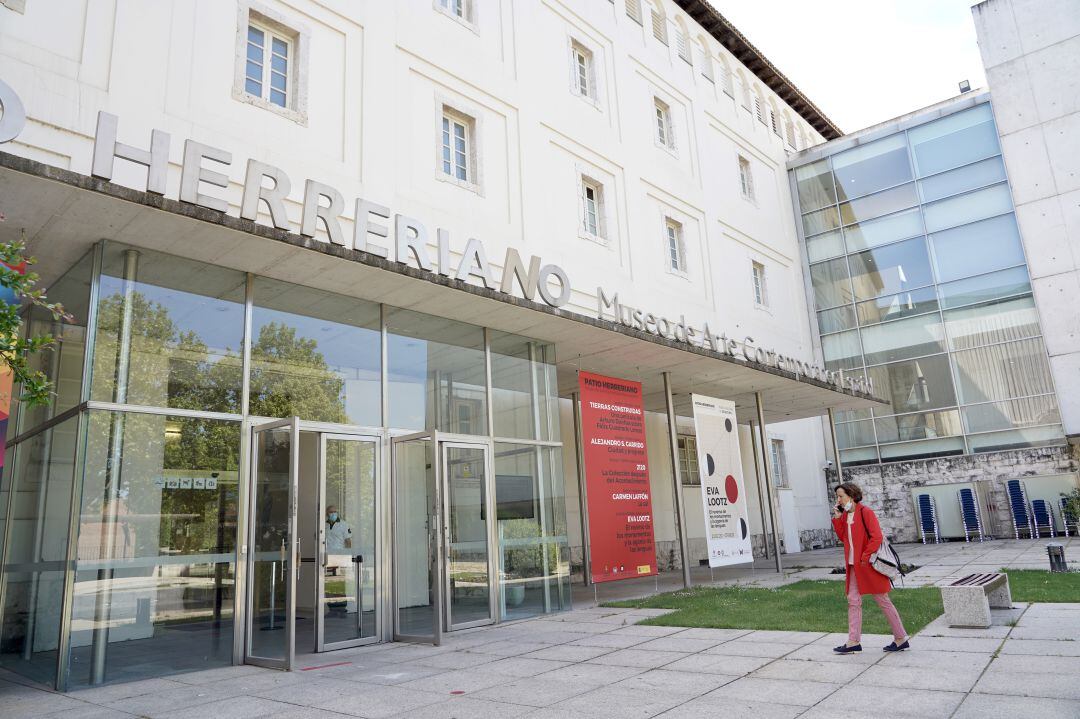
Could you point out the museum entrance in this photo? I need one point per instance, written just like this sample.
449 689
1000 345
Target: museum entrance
313 567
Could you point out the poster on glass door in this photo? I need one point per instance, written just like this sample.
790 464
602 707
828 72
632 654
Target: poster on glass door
621 541
723 495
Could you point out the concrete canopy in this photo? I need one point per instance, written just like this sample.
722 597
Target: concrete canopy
65 213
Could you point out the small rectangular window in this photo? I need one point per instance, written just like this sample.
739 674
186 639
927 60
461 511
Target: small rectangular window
682 43
675 250
266 71
592 194
457 8
664 135
779 462
457 146
583 75
746 179
688 460
761 293
633 10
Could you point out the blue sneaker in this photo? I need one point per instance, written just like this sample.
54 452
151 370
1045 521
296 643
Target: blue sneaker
894 648
845 649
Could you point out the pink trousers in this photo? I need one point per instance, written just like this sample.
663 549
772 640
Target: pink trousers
854 612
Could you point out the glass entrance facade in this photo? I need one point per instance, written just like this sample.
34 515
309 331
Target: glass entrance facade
128 499
919 281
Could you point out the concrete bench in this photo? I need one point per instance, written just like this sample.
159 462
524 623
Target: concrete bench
968 600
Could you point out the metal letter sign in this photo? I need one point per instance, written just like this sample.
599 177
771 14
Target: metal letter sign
13 118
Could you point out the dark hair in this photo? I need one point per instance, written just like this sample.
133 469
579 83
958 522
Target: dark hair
852 490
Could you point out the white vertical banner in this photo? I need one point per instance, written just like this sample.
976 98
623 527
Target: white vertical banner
727 523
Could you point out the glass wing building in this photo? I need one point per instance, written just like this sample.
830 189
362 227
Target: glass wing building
918 281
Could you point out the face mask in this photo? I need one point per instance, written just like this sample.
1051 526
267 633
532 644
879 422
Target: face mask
333 517
848 506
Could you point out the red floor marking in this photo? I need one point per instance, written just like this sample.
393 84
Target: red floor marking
457 691
325 666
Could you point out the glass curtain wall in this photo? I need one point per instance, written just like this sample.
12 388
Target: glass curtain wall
146 464
920 283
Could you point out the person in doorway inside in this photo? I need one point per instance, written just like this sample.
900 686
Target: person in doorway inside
858 529
338 532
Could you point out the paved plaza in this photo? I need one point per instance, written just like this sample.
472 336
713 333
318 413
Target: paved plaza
596 662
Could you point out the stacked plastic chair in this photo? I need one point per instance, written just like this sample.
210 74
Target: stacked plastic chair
1069 518
1043 517
928 521
970 515
1018 503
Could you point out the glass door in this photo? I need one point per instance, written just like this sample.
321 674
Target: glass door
273 559
417 538
469 598
348 504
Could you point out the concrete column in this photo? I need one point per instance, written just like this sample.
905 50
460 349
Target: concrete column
680 516
583 498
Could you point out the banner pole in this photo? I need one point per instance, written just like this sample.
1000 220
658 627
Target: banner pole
768 479
835 450
583 500
757 481
680 515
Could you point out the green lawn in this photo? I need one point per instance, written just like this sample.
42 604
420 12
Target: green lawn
1036 585
811 606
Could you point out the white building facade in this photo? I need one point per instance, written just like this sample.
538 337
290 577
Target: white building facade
365 248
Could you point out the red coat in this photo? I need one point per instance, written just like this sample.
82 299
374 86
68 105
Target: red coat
866 523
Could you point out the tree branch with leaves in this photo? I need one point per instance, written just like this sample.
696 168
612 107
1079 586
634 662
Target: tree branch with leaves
16 350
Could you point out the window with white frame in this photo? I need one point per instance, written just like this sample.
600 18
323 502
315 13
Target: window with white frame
759 110
459 9
688 462
761 290
659 24
592 207
458 140
633 10
789 132
775 122
268 65
779 462
682 45
746 179
581 59
707 70
745 95
673 237
664 133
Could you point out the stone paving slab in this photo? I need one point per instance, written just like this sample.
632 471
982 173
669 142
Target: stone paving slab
795 692
746 647
986 706
462 708
710 707
1045 647
888 702
1053 686
813 671
909 677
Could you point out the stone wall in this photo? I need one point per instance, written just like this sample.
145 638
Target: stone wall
887 487
817 539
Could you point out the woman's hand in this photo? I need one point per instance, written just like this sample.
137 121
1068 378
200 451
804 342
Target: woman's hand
835 512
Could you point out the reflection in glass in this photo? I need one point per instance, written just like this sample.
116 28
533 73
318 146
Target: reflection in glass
815 182
954 140
821 221
1025 412
271 551
901 339
871 167
962 179
467 528
315 354
912 385
922 449
892 307
970 207
1016 439
921 425
415 538
842 351
524 388
883 230
169 332
880 203
891 269
855 434
977 248
855 457
835 320
534 566
831 283
33 573
822 247
157 547
351 567
1006 283
63 364
1015 369
1000 321
437 373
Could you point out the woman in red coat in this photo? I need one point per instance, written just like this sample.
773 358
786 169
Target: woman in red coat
859 531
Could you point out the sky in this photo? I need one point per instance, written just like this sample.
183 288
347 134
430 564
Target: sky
865 61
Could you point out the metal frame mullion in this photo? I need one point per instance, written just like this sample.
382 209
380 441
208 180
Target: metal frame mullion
63 655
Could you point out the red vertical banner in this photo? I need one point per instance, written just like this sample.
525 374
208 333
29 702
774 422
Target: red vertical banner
621 541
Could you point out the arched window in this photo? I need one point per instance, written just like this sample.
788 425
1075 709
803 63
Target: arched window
682 41
759 106
774 118
659 21
633 10
705 61
744 91
789 131
727 80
